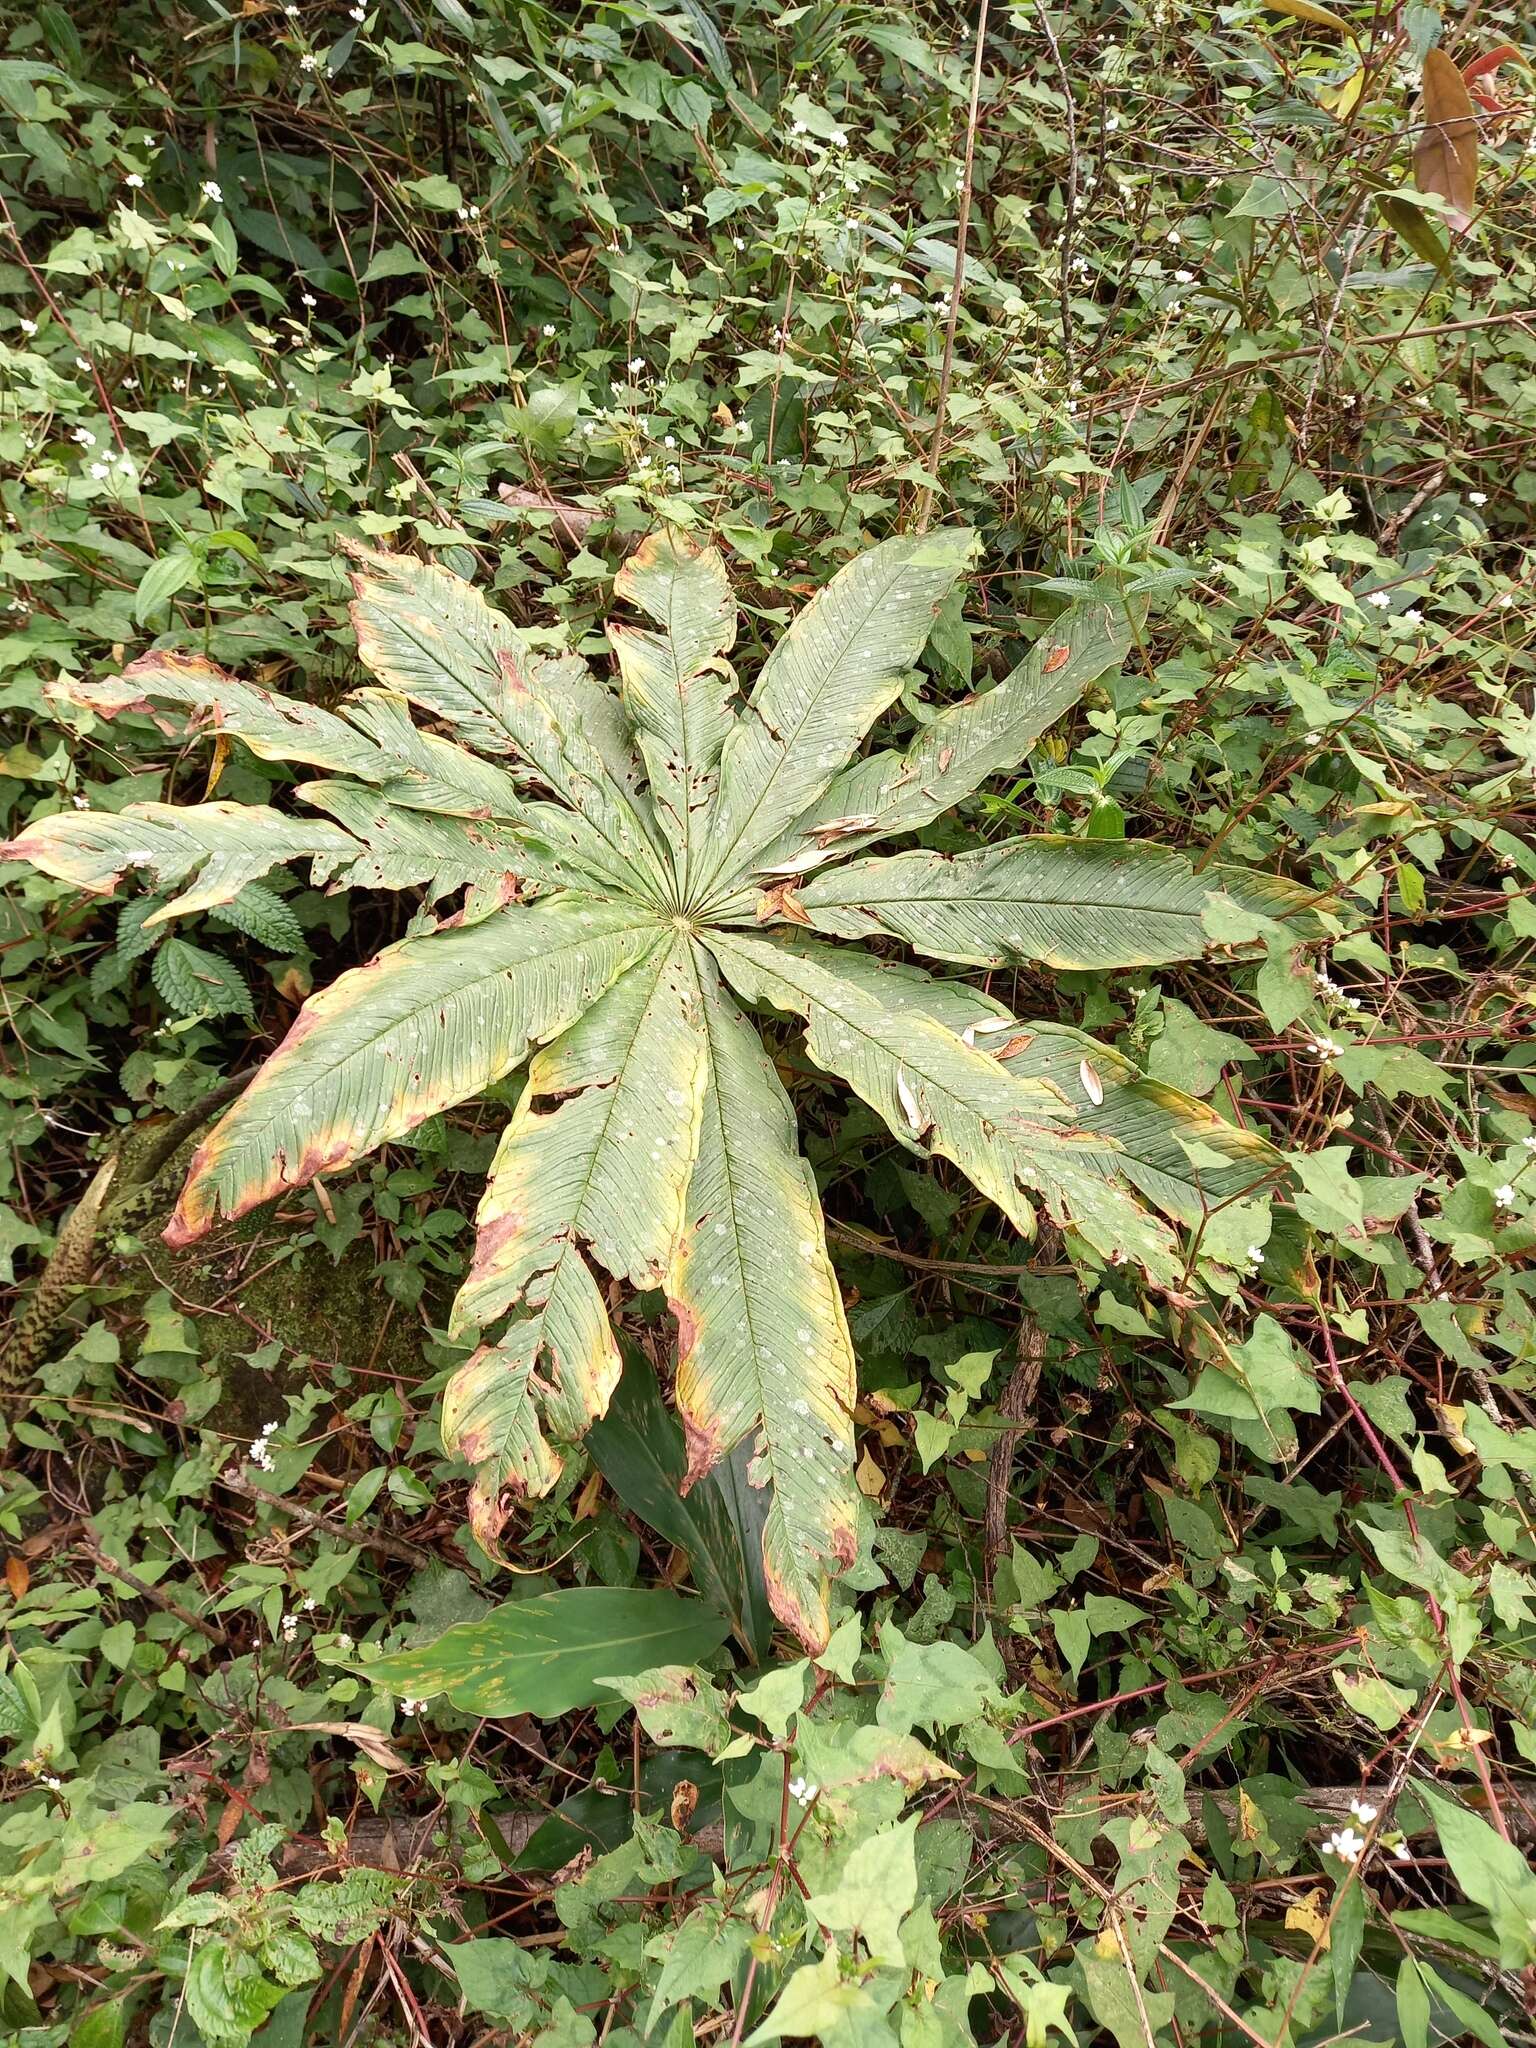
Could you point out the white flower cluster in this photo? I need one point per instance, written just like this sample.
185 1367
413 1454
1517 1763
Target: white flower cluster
1348 1844
1324 1047
1505 1195
261 1449
1331 988
802 1792
410 1707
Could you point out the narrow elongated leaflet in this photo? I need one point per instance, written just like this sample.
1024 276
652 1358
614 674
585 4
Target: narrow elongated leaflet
826 682
428 1023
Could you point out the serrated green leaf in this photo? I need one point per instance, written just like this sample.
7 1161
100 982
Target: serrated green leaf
196 983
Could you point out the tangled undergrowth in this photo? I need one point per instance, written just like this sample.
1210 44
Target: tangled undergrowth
1181 1686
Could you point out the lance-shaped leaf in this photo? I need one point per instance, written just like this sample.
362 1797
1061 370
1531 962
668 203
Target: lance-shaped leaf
1445 153
401 846
596 1159
825 683
274 728
1010 1135
966 743
1176 1150
1074 903
222 845
432 636
677 684
429 1022
763 1343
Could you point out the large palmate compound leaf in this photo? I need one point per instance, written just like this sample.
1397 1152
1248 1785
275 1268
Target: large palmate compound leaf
763 1343
676 684
1075 903
955 752
622 845
826 682
596 1160
427 1024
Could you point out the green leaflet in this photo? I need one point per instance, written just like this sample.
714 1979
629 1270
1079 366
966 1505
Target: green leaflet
954 754
1010 1135
836 669
762 1340
653 1143
596 1158
1072 903
551 1653
433 637
677 683
222 846
274 728
428 1023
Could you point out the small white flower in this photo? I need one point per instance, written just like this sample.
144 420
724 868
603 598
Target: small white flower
589 428
1477 497
308 299
839 139
798 128
1382 599
1402 1852
1345 1844
1411 617
213 190
1363 1811
54 1784
1314 739
309 61
669 441
409 1707
357 13
636 365
547 329
133 181
343 1640
1506 600
1174 237
289 1626
309 1603
28 326
894 291
84 436
291 10
1183 277
98 470
1255 1255
83 363
1324 1047
1505 1195
1529 1142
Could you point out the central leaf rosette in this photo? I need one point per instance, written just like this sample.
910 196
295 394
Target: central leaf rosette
642 857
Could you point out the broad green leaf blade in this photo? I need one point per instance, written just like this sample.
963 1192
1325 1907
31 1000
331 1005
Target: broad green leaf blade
826 682
677 684
430 1022
604 1170
432 636
638 1447
221 846
274 728
966 743
763 1342
549 1654
1010 1135
1071 903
